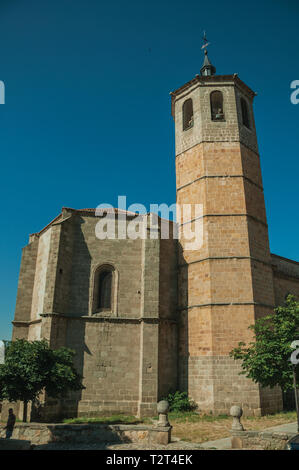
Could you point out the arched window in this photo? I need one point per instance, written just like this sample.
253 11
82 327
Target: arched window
188 119
245 113
104 290
216 99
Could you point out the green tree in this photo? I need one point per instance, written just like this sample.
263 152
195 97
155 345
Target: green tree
33 367
266 360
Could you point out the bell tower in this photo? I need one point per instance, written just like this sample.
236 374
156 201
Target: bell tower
226 283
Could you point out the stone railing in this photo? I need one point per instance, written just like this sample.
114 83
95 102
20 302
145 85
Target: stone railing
242 439
260 440
42 433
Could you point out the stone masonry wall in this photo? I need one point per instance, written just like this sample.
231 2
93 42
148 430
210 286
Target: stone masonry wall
108 358
260 440
126 356
39 290
286 278
204 129
26 282
42 434
168 326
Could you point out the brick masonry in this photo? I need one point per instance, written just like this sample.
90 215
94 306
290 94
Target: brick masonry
229 282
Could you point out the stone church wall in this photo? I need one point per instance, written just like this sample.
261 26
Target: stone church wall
108 358
168 325
25 289
286 278
127 356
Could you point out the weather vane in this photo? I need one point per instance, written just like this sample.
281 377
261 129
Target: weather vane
205 41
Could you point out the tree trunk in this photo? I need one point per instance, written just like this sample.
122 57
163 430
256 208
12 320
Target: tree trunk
25 411
296 396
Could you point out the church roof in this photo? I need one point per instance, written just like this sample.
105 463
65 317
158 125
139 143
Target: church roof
108 210
81 211
207 68
91 211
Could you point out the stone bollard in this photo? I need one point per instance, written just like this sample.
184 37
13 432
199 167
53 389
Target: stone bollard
163 428
163 408
236 412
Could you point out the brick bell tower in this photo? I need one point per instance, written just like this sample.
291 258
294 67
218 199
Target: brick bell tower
227 283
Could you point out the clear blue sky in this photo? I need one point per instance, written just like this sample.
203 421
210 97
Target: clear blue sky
87 113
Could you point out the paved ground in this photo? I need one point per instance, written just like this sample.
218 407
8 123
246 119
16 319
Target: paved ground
222 444
289 427
176 445
219 444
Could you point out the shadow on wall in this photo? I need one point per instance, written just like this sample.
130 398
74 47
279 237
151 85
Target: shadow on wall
70 332
87 436
288 398
55 436
183 332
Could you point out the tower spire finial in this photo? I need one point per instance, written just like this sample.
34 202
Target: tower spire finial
207 68
205 41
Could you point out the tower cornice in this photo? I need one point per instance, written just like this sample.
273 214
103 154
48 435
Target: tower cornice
212 80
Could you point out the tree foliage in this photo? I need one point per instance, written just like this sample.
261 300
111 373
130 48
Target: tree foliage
32 367
266 360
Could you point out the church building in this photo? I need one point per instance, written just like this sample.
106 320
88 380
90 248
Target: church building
150 316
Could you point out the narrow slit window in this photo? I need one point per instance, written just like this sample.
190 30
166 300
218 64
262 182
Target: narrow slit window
188 119
217 113
105 290
245 113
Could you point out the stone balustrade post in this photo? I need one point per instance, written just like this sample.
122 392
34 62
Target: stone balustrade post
236 412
